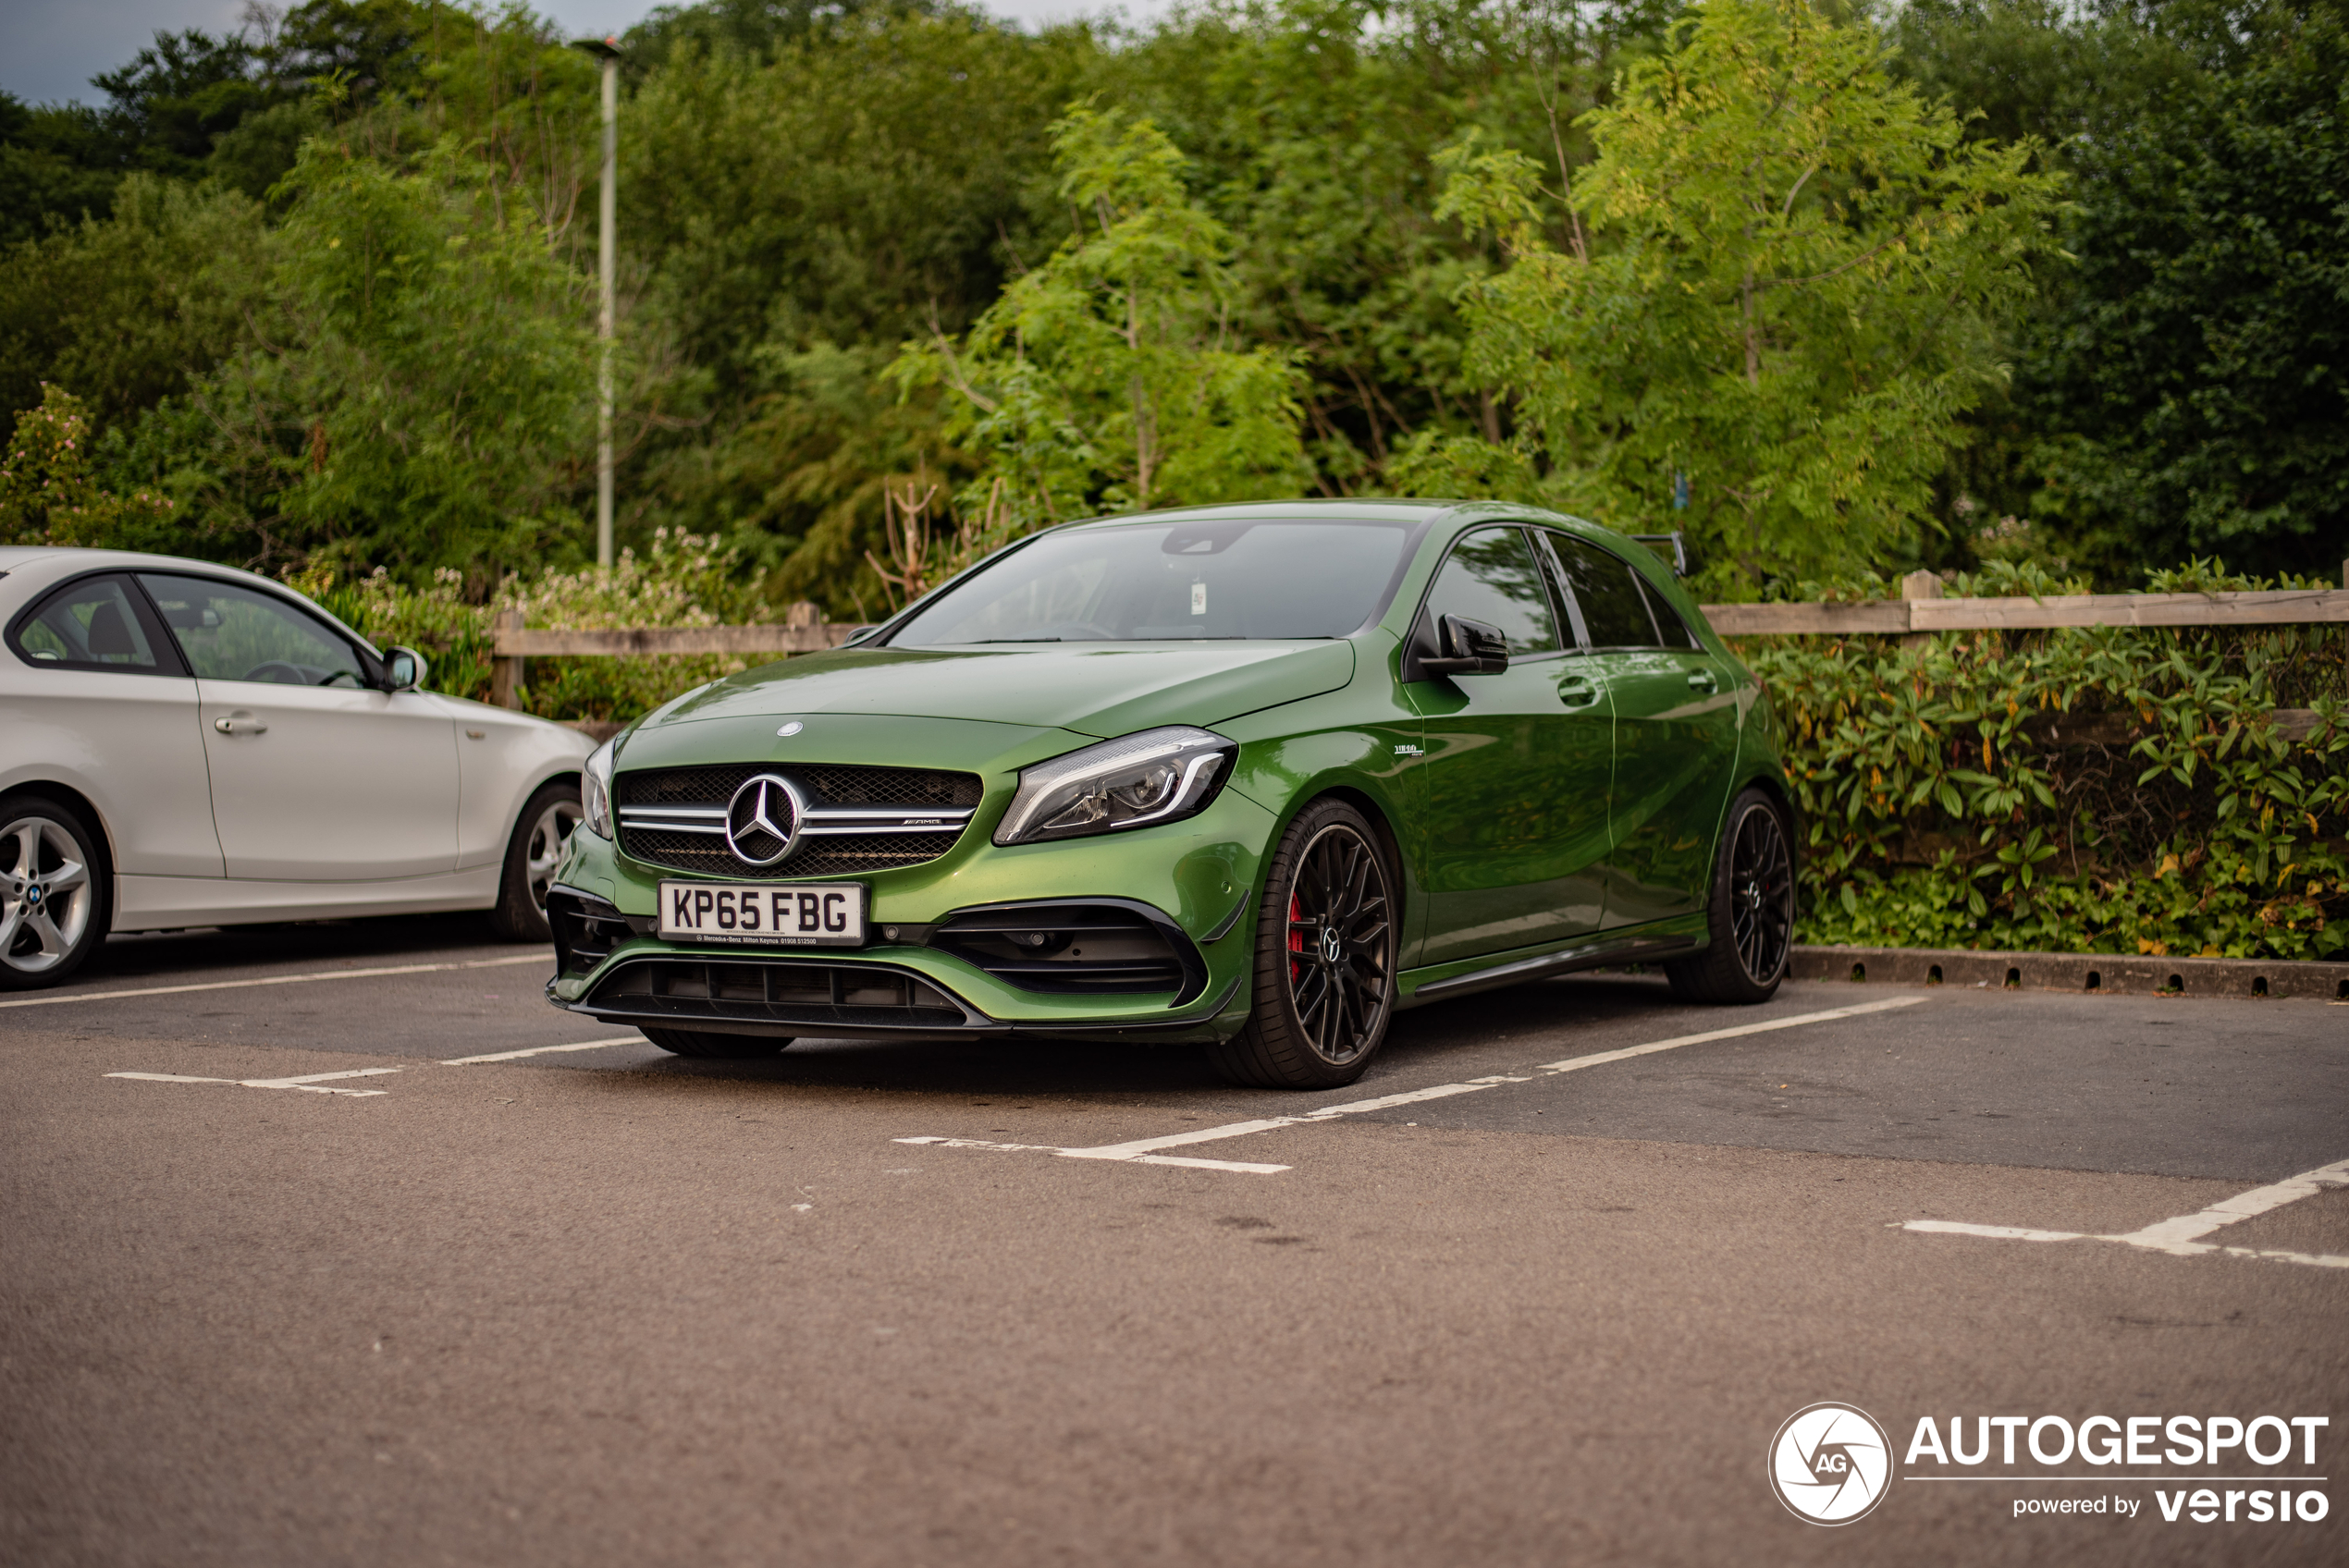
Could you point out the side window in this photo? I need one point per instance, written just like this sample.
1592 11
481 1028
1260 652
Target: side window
1491 577
1614 610
1675 633
233 633
92 624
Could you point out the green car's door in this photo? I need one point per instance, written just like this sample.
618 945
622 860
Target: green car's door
1676 736
1516 766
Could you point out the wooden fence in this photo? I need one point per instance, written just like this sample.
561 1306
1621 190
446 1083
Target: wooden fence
1919 610
803 631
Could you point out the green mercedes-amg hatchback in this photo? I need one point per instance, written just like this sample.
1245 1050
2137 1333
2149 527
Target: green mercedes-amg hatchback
1254 777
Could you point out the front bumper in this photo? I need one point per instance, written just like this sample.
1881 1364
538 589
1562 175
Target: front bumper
849 1000
1194 879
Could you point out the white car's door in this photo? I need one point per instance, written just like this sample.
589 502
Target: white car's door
104 702
316 776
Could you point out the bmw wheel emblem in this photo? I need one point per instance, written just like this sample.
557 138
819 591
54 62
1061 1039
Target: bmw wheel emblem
762 820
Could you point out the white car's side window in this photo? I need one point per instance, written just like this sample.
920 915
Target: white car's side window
232 633
91 624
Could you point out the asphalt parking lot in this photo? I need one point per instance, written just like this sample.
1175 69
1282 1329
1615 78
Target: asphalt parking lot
373 1257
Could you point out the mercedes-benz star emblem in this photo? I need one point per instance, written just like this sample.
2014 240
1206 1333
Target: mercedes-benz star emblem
762 820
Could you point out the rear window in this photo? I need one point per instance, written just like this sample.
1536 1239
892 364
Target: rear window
91 624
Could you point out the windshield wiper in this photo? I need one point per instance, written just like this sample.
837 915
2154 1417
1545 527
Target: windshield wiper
1022 638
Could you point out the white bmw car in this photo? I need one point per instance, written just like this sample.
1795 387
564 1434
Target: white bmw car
187 744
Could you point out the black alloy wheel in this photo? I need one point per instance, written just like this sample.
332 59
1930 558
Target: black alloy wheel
1325 981
1751 913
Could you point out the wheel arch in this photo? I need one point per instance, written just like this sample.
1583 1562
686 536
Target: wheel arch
78 799
1376 812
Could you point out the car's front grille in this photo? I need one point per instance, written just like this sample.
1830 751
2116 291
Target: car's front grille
784 991
1086 948
859 819
817 857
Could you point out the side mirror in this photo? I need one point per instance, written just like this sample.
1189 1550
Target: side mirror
1469 647
403 669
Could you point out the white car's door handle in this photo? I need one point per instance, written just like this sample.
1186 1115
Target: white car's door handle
240 723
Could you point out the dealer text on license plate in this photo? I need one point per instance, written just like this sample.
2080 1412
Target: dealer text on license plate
822 914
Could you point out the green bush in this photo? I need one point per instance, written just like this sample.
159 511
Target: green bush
1949 807
683 580
2102 789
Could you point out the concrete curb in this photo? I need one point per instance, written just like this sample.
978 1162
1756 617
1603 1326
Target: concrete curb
2112 974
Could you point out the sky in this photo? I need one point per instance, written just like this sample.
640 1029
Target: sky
50 49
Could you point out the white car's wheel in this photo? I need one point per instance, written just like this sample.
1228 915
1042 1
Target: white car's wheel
532 856
52 893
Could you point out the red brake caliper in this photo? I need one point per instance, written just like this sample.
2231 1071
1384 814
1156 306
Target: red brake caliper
1295 941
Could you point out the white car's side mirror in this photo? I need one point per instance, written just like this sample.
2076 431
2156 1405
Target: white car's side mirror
403 669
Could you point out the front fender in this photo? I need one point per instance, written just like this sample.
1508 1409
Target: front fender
502 758
1361 743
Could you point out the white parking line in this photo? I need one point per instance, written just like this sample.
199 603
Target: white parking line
277 980
2182 1237
311 1084
1144 1151
542 1050
1247 1166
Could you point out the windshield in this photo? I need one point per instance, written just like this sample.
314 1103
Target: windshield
1174 582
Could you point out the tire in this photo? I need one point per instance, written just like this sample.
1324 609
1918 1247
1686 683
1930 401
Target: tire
1751 912
532 854
725 1048
1323 988
50 862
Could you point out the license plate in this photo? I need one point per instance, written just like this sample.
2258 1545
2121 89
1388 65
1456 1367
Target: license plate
804 915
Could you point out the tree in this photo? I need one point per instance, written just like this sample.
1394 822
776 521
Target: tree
417 393
1108 378
49 491
131 309
56 163
1782 305
1313 127
2188 394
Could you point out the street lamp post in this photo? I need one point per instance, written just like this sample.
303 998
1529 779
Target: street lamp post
606 246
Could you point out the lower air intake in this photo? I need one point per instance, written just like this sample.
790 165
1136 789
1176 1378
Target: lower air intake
805 996
586 928
1093 947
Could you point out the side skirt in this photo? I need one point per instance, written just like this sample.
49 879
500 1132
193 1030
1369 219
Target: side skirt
153 903
1647 944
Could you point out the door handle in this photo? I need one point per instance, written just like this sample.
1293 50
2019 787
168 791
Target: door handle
240 723
1578 692
1703 680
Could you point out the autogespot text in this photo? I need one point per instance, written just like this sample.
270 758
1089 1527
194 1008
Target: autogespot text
2165 1444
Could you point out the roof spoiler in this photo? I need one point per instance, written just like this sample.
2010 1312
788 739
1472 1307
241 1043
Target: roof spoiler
1679 549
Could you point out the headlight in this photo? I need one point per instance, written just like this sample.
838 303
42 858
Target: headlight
1155 775
595 792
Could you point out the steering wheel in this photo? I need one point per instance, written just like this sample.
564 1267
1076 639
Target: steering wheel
278 673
